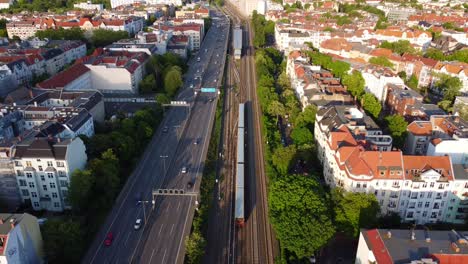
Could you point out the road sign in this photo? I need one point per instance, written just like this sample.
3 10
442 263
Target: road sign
208 90
179 103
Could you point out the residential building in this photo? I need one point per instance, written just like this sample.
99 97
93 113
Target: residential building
193 31
22 29
454 69
117 3
20 239
420 67
75 78
43 169
7 80
89 6
411 246
9 191
377 80
132 46
5 4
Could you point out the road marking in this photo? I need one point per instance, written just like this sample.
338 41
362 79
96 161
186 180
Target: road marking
159 233
152 252
178 205
172 229
126 240
164 256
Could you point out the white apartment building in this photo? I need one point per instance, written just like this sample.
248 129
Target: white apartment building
44 169
454 69
22 29
116 3
419 188
5 4
89 6
377 80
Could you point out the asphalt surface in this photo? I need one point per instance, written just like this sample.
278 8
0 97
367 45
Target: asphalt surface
167 223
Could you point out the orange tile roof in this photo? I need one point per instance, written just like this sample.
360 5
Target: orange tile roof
414 165
420 128
336 44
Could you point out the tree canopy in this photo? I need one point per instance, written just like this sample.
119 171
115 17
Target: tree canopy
449 86
173 80
371 104
397 126
300 214
381 61
63 241
104 37
354 83
399 47
283 158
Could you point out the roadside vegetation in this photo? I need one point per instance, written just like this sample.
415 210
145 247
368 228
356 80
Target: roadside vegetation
56 6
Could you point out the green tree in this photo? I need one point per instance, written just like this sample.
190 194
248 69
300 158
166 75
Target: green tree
354 83
104 37
63 241
195 248
106 172
283 158
306 117
173 81
300 215
402 75
75 33
162 99
399 47
80 190
462 110
276 109
353 211
148 84
412 82
339 68
371 105
382 61
302 136
397 126
435 54
449 86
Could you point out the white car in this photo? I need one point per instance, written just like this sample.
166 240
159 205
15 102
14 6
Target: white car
184 170
137 224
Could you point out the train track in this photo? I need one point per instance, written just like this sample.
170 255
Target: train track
255 242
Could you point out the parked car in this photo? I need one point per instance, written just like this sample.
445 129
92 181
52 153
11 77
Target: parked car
109 239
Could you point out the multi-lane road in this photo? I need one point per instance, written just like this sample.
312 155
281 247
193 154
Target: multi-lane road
168 221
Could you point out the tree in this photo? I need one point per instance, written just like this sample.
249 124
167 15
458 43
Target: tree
306 117
402 75
353 211
462 110
302 136
173 81
63 241
382 61
449 86
74 33
283 157
435 54
399 47
80 190
276 109
397 126
148 84
162 99
339 68
106 172
300 214
371 105
412 82
195 247
104 37
390 220
354 84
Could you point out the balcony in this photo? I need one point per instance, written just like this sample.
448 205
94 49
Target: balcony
393 205
393 196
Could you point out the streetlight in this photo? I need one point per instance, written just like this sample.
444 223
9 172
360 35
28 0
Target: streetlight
143 205
164 161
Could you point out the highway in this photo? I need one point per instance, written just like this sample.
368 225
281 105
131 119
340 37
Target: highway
167 223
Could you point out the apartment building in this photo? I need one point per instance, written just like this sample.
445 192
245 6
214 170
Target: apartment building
20 239
5 4
193 31
454 69
89 6
7 80
411 246
43 168
9 194
418 188
377 80
22 29
420 67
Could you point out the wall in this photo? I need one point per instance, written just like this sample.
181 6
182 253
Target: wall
110 80
456 149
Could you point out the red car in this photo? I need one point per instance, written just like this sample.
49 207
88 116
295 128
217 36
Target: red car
109 239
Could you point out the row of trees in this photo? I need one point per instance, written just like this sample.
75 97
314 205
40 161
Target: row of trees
262 29
459 55
98 37
56 6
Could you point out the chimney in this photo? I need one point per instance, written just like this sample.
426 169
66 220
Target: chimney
35 103
389 234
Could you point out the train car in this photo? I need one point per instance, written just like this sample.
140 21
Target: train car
239 208
237 42
241 122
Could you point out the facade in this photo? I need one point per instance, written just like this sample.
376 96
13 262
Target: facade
22 29
9 192
21 239
381 246
377 80
116 3
193 31
89 6
43 170
7 80
418 188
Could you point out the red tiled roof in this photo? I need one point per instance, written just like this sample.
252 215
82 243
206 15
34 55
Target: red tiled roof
65 77
420 128
424 163
378 248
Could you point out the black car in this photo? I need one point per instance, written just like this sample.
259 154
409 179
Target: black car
165 129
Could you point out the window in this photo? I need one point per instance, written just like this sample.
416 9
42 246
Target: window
44 187
364 185
434 215
432 185
376 192
40 168
383 193
424 185
409 215
42 178
427 204
64 193
29 174
56 204
419 204
18 164
52 185
25 192
60 164
28 164
31 185
22 183
429 195
441 186
36 204
421 195
19 173
62 174
50 164
54 195
63 184
34 194
358 185
38 160
424 214
466 185
50 175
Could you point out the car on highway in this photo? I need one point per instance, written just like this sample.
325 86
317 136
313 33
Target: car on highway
139 198
211 100
137 224
184 170
196 141
109 239
165 129
191 86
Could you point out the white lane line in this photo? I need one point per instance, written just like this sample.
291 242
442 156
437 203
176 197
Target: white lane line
159 233
172 229
152 253
178 206
164 256
126 240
